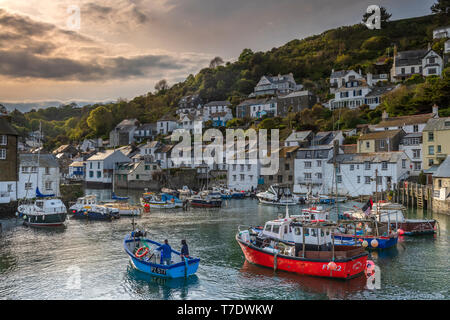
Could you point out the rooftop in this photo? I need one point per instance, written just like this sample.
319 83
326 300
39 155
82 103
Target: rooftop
405 120
7 128
45 160
444 169
438 124
392 157
380 134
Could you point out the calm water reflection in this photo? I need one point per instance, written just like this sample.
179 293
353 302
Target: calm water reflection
40 264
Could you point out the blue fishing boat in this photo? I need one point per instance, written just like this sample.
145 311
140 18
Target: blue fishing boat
144 257
382 242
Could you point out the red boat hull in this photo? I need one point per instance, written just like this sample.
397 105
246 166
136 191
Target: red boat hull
416 227
346 269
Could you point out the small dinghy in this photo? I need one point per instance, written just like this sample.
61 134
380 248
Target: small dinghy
145 258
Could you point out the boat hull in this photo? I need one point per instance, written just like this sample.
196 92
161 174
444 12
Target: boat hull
177 270
206 204
346 269
92 215
45 221
416 227
277 203
383 242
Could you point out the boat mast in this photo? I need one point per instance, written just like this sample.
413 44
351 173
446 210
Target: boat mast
335 151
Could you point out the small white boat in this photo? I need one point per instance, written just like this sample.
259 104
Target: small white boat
277 195
185 192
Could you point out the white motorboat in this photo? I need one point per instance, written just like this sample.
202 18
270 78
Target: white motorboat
277 195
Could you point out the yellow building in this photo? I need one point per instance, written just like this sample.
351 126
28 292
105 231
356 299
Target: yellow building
380 141
436 142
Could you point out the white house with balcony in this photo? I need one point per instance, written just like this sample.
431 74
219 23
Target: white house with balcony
339 78
38 171
424 62
100 167
351 95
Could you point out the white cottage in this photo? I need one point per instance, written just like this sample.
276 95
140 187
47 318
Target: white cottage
100 167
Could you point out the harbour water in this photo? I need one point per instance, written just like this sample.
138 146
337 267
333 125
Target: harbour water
86 260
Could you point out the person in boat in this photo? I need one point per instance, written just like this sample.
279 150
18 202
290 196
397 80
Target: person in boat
166 252
184 250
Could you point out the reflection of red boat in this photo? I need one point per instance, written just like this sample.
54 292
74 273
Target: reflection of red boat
303 247
333 289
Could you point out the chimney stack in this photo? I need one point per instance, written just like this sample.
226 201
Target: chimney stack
436 110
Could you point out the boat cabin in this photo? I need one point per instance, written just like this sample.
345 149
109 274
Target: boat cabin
49 206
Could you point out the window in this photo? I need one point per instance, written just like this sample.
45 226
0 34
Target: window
403 163
430 136
47 170
319 163
380 180
3 140
297 231
416 128
367 180
90 165
382 144
99 174
10 186
439 183
417 166
276 229
439 150
358 179
313 232
242 176
430 162
339 179
352 167
306 232
416 153
307 164
48 185
268 228
319 175
234 177
432 71
91 174
367 144
384 165
431 150
307 176
290 178
98 165
28 185
2 154
286 166
413 70
367 165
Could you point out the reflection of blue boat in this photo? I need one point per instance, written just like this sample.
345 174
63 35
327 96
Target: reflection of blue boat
148 262
383 242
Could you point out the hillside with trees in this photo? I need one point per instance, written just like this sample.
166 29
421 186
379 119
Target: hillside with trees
310 60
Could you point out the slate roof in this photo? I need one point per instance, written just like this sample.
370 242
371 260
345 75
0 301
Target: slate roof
379 91
444 169
168 117
377 157
45 160
296 94
298 136
411 57
438 124
380 134
405 120
101 155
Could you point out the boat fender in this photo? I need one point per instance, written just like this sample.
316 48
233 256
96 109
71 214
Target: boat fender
138 253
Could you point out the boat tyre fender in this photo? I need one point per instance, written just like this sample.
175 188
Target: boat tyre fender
140 254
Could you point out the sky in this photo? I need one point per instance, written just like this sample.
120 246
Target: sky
121 48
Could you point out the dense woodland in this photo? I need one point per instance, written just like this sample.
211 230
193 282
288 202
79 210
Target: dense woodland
310 60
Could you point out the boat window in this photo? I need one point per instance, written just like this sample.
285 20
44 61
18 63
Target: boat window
268 227
328 232
276 229
298 231
40 204
313 217
313 232
321 233
306 232
285 229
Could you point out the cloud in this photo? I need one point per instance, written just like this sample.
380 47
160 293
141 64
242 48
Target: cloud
32 49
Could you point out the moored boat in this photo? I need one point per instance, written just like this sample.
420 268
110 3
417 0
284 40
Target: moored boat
43 212
124 209
277 195
304 247
145 258
206 200
164 201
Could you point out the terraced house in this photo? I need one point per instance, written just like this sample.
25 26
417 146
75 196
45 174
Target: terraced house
436 141
8 161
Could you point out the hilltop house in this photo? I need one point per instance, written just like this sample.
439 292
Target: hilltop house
146 131
33 174
339 78
380 141
350 95
257 108
189 104
421 62
167 124
436 138
123 133
9 163
300 139
100 167
295 102
281 84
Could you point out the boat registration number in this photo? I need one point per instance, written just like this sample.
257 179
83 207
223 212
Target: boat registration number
159 270
325 267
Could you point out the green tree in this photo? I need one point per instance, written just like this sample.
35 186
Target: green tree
100 120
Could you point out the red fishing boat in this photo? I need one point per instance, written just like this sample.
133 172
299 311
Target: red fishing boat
301 246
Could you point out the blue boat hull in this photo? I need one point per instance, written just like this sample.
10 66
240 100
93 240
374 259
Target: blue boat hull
91 215
383 243
176 270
